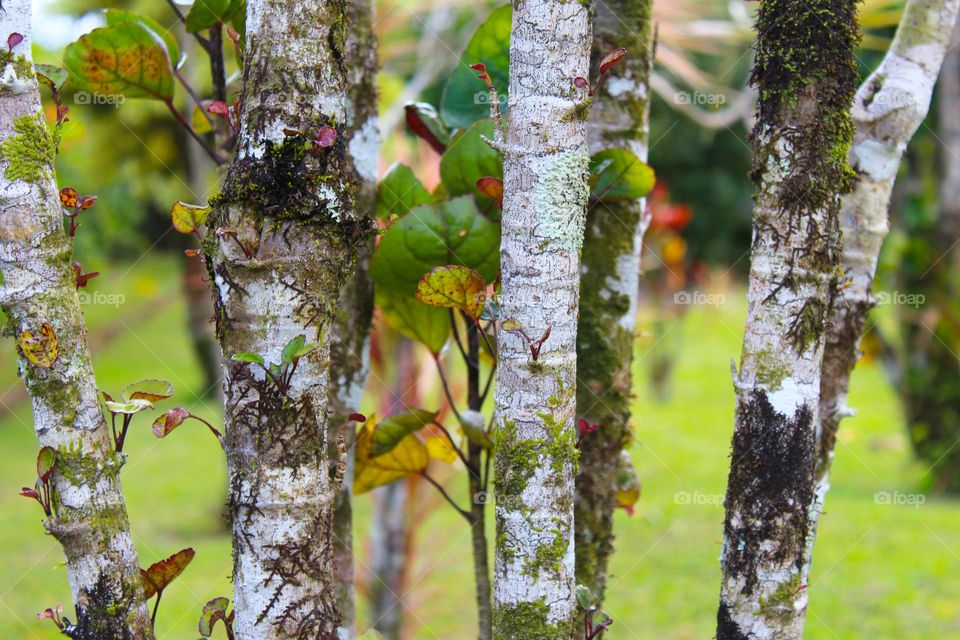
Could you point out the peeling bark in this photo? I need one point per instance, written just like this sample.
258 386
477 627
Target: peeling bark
295 206
806 77
545 185
609 280
36 287
889 107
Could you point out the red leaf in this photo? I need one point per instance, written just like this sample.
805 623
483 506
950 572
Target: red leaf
421 130
169 421
218 107
611 59
162 573
481 68
13 40
492 188
585 426
357 417
27 492
580 83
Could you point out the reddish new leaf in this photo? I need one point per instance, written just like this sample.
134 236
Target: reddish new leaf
46 460
13 40
160 574
492 188
420 128
68 197
325 137
169 421
611 59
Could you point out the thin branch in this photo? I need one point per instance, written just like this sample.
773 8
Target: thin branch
466 514
446 389
193 95
183 123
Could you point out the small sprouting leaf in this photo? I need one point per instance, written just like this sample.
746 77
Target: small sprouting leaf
160 574
80 278
326 136
388 433
454 287
580 82
68 197
627 483
214 610
42 348
585 597
13 40
219 108
292 348
51 74
400 191
27 492
510 325
187 218
492 188
585 426
169 421
128 408
611 59
425 122
46 460
617 174
123 59
246 356
152 389
408 457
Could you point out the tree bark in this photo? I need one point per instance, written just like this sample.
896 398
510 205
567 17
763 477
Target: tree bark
36 288
609 284
294 205
350 342
889 107
806 77
545 185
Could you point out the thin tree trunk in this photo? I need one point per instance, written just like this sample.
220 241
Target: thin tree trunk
291 196
889 107
350 343
609 283
476 488
37 288
806 77
545 185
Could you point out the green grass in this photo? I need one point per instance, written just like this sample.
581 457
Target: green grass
884 572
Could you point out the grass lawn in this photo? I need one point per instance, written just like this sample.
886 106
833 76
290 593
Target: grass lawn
882 571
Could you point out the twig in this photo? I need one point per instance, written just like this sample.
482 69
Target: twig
466 514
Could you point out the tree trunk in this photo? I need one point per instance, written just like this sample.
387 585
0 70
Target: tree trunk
291 196
806 77
37 288
889 107
350 342
610 285
545 185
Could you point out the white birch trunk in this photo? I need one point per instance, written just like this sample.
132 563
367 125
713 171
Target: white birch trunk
806 77
37 287
545 185
294 205
609 277
888 109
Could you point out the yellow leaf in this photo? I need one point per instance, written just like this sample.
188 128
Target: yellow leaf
41 349
440 448
628 484
455 287
187 218
408 457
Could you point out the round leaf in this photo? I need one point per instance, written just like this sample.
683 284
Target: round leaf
187 218
465 99
41 348
617 174
454 287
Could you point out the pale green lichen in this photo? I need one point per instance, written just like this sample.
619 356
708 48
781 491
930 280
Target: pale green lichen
560 199
30 152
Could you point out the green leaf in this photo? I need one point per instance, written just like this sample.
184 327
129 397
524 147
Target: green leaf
46 460
468 158
455 288
214 610
246 356
118 16
126 59
400 191
187 218
52 74
206 13
434 235
389 433
617 174
428 325
292 348
465 98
